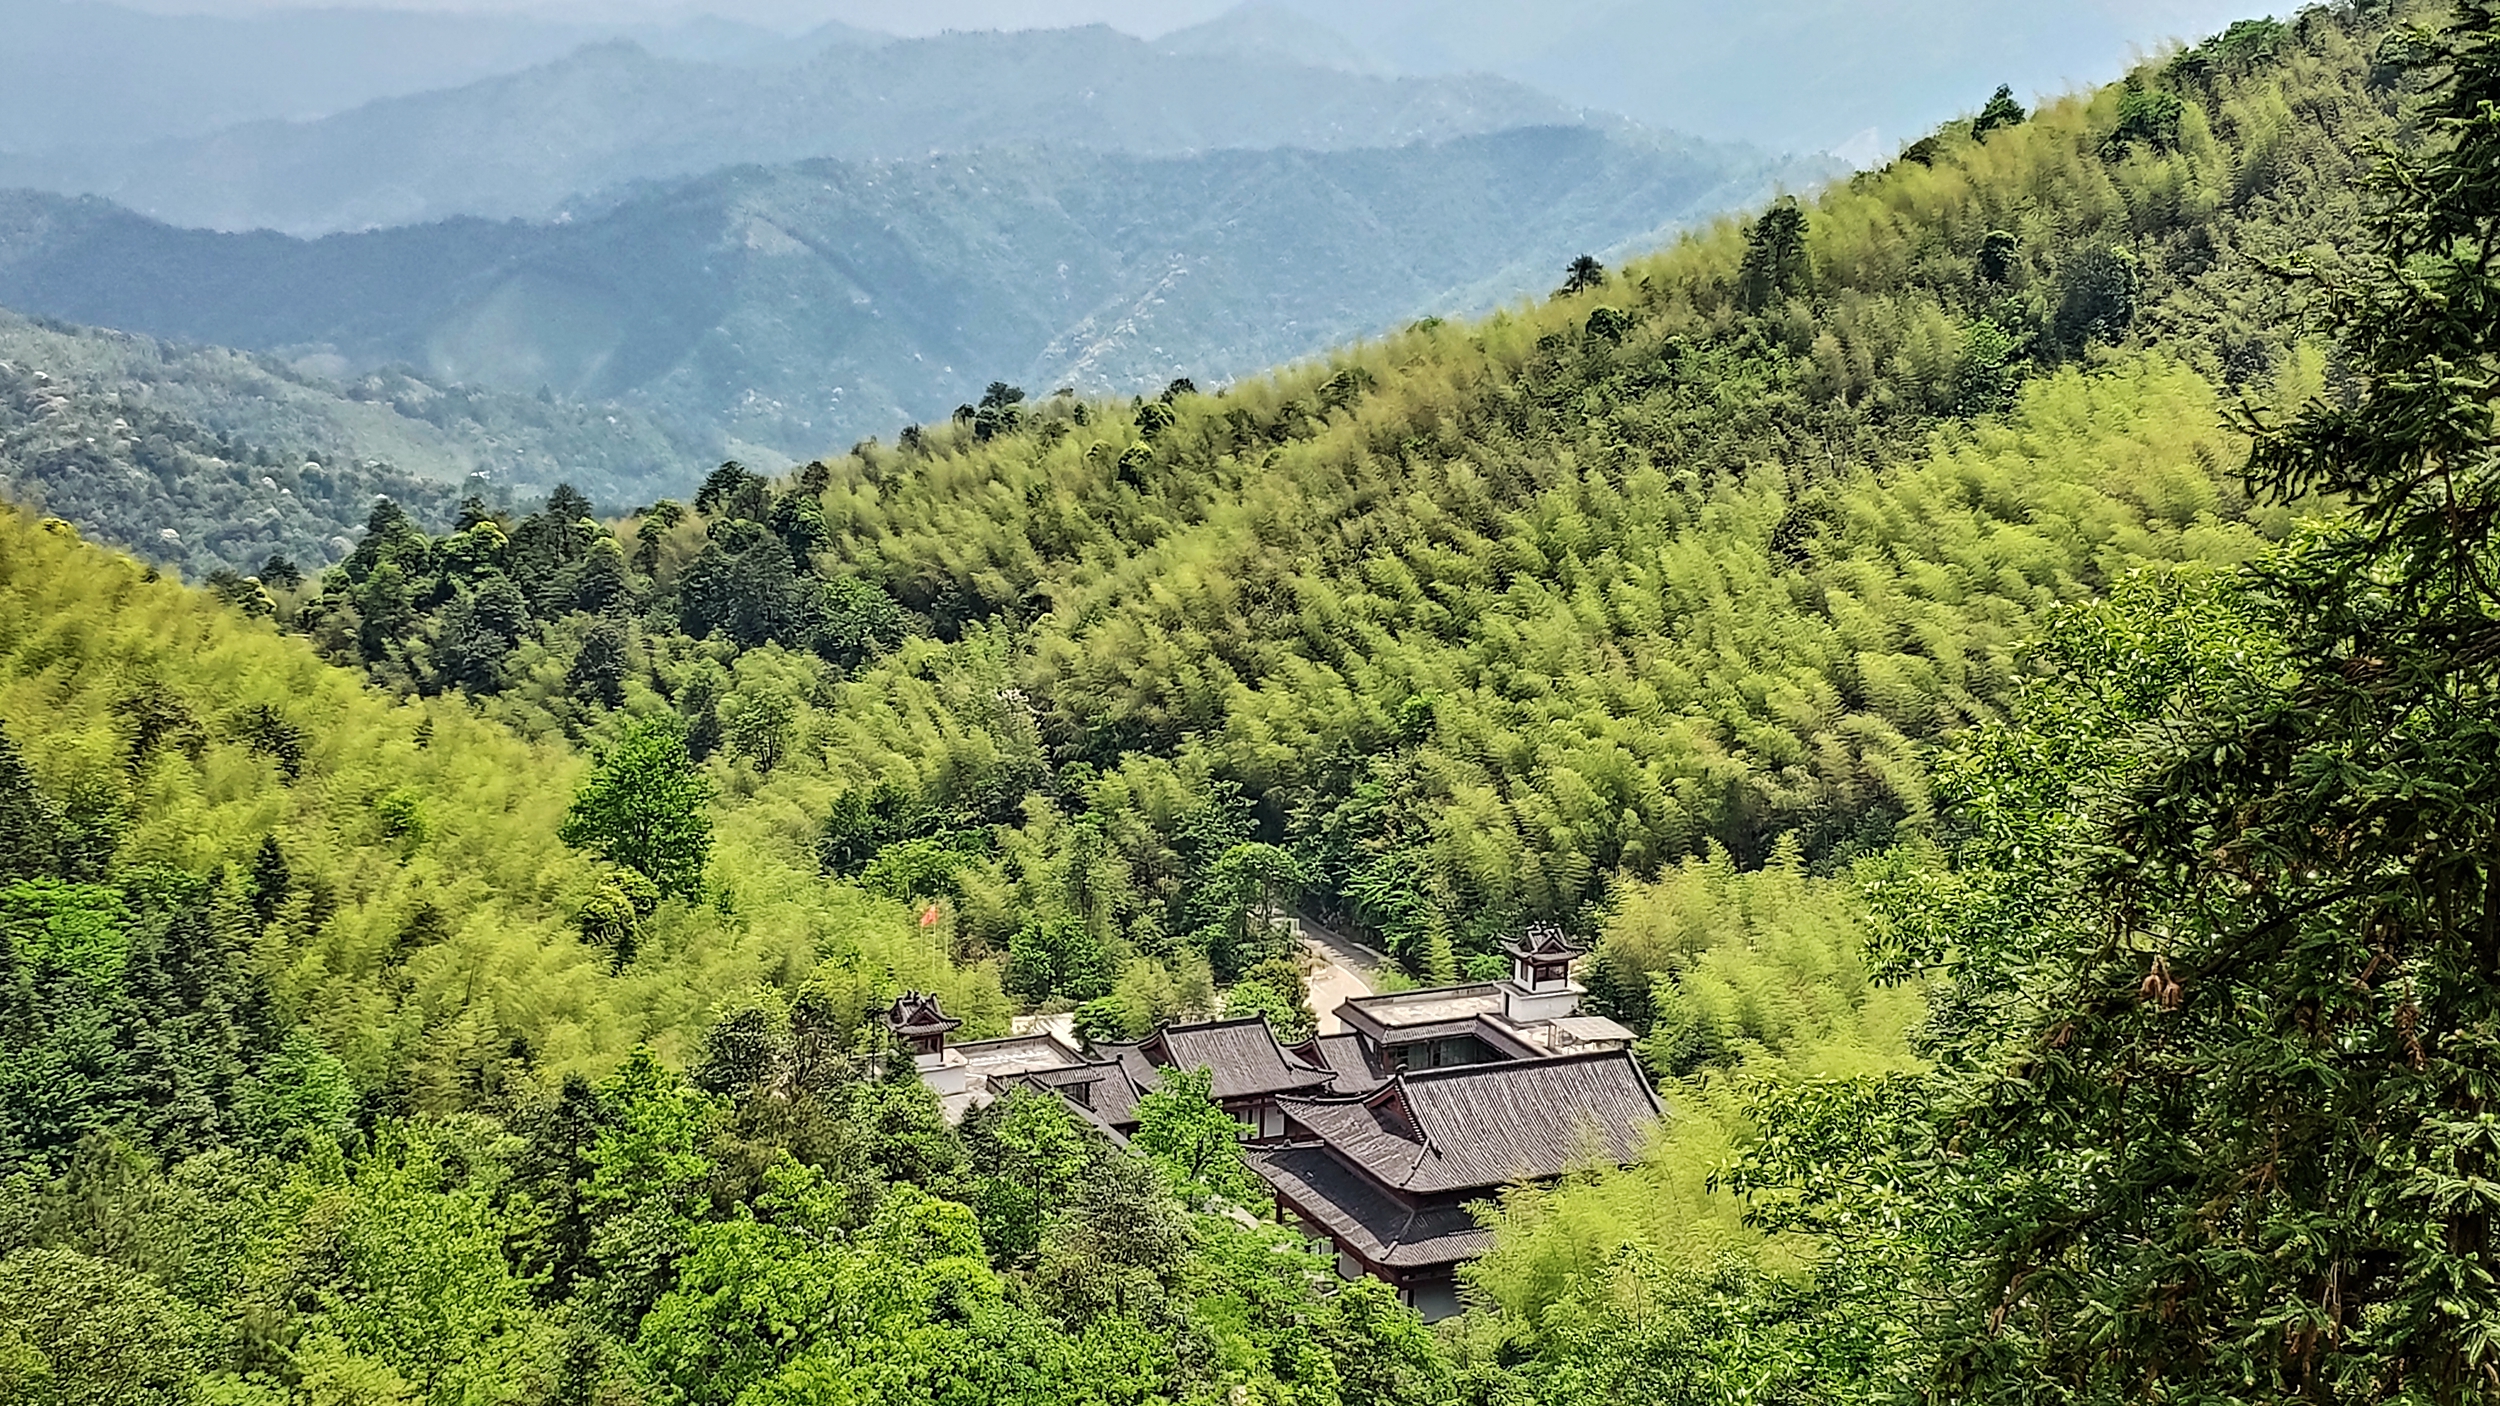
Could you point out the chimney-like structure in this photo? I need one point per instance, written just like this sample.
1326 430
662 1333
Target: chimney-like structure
1540 987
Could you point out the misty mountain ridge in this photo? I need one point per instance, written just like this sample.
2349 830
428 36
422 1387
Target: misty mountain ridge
523 145
1270 30
781 311
76 73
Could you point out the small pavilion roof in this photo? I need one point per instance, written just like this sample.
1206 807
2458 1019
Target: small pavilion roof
918 1013
1544 942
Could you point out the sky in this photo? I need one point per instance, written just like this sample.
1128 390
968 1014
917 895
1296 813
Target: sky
1857 77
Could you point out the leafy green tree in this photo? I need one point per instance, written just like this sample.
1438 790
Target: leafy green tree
904 1130
1024 1152
299 1091
1249 887
860 823
1104 1020
858 622
646 807
1181 1129
612 917
798 518
2148 117
1120 1239
1059 957
77 1331
757 726
1275 988
2242 1150
644 1194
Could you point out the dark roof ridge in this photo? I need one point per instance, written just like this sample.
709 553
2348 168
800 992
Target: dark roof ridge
1457 1071
1187 1026
1460 1071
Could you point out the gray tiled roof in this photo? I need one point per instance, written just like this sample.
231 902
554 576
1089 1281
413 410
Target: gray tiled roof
1375 1224
1102 1088
1480 1126
1348 1058
1242 1055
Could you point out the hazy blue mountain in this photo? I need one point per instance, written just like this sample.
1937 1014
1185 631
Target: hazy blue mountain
796 308
80 73
1267 29
523 145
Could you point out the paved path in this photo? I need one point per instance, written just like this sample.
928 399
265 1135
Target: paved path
1340 969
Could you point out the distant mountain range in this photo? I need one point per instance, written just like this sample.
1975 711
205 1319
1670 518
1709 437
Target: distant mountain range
789 310
82 73
532 144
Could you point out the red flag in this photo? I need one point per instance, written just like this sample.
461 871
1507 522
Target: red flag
929 916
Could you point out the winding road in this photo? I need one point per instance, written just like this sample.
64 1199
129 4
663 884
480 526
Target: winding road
1340 969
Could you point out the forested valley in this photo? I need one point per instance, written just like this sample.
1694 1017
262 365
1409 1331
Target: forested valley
1997 659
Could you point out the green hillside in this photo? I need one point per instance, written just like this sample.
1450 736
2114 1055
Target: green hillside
1473 619
261 929
2006 681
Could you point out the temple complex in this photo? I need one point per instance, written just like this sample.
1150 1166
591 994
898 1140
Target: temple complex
1375 1139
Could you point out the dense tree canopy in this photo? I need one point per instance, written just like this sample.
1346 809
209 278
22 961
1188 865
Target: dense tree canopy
2048 869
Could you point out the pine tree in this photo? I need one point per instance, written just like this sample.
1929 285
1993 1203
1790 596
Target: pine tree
1584 274
597 674
271 882
2001 111
1776 264
28 829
